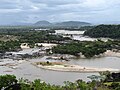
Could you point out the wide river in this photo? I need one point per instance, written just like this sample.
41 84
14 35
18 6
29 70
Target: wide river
26 70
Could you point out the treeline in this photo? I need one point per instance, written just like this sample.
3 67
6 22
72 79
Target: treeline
8 29
109 31
88 49
9 82
30 35
40 36
73 28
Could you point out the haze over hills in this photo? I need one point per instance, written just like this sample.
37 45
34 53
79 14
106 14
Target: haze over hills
67 23
73 23
43 23
56 24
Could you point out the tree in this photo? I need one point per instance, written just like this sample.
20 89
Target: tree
7 80
110 31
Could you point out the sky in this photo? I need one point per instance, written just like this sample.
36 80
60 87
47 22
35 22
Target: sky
31 11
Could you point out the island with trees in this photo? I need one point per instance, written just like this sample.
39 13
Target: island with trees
88 49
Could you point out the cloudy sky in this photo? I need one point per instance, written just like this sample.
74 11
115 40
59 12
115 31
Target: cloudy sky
30 11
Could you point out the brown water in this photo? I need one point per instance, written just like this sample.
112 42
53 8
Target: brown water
28 71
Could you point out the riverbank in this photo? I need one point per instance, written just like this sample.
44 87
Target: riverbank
110 53
73 68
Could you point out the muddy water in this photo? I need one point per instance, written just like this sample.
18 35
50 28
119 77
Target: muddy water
28 71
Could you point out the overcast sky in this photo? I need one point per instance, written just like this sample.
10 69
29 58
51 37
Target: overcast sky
30 11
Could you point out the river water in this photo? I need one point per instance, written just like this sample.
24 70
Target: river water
26 70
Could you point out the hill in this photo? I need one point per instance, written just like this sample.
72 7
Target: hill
63 24
43 23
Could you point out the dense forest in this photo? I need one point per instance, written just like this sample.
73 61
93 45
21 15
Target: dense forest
40 36
9 46
109 31
11 38
88 49
109 82
29 34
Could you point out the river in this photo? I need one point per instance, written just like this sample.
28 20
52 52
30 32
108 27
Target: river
26 70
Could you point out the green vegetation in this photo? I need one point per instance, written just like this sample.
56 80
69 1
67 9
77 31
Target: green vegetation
88 49
7 80
9 46
8 37
11 83
12 37
74 28
40 36
16 29
110 31
30 34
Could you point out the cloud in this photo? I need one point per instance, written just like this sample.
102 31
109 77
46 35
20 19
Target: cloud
56 2
7 4
59 10
4 11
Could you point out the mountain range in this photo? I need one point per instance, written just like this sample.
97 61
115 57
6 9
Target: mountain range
57 24
64 24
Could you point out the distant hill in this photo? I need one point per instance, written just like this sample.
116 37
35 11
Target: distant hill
43 23
62 24
73 23
58 24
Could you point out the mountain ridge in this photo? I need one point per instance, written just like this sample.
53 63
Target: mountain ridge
45 23
65 23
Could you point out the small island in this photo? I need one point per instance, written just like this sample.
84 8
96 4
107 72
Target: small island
61 66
